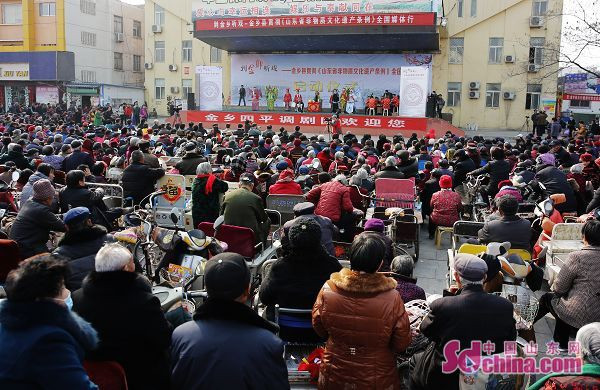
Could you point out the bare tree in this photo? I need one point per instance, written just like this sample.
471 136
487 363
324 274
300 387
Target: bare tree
581 35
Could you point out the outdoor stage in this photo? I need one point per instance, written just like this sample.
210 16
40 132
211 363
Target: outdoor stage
314 123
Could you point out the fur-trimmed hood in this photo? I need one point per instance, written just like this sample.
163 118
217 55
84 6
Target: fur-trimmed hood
360 282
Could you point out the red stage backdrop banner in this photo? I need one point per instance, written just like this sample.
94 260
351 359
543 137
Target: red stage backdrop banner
296 119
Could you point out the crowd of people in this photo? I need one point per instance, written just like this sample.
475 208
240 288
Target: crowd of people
83 299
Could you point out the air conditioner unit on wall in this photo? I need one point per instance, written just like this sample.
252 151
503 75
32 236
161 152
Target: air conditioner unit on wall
148 65
174 89
474 85
536 21
509 95
532 68
173 68
474 94
156 28
509 59
119 37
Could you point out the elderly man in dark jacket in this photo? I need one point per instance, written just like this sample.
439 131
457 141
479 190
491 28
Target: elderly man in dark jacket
470 315
149 159
409 166
80 244
462 166
139 179
227 346
389 171
328 229
555 182
32 227
132 328
16 155
509 227
189 162
76 158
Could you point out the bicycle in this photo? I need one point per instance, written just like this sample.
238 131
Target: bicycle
477 205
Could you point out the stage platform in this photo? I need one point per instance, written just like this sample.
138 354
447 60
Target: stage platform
314 123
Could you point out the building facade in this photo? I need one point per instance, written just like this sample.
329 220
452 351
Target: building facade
497 61
82 51
173 54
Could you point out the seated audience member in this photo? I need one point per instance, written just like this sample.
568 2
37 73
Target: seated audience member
376 227
445 206
509 227
328 229
402 267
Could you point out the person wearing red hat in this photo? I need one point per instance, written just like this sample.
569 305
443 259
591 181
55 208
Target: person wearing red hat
591 171
506 187
445 206
285 185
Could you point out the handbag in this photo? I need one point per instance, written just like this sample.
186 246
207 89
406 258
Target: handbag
426 369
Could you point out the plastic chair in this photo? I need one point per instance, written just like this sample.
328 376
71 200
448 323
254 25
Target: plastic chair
239 239
108 375
439 232
395 193
10 257
464 230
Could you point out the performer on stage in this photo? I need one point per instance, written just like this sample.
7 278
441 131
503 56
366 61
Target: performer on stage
298 101
317 98
395 104
335 101
343 100
386 103
256 95
287 99
272 93
351 101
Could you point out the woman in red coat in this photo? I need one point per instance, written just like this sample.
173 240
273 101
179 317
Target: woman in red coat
445 206
287 99
286 185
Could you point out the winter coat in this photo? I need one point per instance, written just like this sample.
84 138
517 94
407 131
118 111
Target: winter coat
595 203
498 170
31 229
227 346
331 199
389 173
42 345
363 317
139 180
189 163
152 161
27 191
21 162
244 208
80 248
75 159
205 207
577 284
461 168
70 197
514 229
556 182
445 207
131 326
470 315
409 168
431 187
285 188
408 289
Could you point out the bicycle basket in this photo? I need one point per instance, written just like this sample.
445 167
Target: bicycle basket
525 304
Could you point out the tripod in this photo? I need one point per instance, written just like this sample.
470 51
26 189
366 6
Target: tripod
525 126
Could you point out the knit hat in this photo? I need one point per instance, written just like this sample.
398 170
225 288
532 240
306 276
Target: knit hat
42 190
504 183
282 165
226 276
305 234
304 170
547 159
586 157
446 181
374 225
287 174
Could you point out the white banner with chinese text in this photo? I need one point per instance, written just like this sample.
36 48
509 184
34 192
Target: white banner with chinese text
414 82
209 87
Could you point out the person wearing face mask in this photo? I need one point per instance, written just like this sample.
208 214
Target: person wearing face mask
132 328
42 343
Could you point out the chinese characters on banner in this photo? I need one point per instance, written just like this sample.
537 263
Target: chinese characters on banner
410 19
591 98
296 119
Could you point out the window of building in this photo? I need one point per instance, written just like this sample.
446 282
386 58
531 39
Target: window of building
186 87
118 24
460 6
186 51
137 29
88 38
12 13
473 8
118 61
496 45
159 89
539 7
215 54
580 103
159 15
159 51
532 99
536 50
137 63
453 95
88 76
457 49
47 9
88 7
492 95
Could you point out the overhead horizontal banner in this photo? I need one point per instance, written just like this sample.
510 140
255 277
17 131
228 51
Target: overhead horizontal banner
209 9
363 74
590 98
409 19
297 119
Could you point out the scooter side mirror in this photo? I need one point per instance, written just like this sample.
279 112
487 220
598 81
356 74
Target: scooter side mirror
15 176
174 216
218 222
199 270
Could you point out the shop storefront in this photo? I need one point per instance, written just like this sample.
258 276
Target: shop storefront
83 94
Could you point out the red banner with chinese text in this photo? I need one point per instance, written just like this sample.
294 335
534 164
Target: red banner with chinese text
288 119
401 19
590 98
